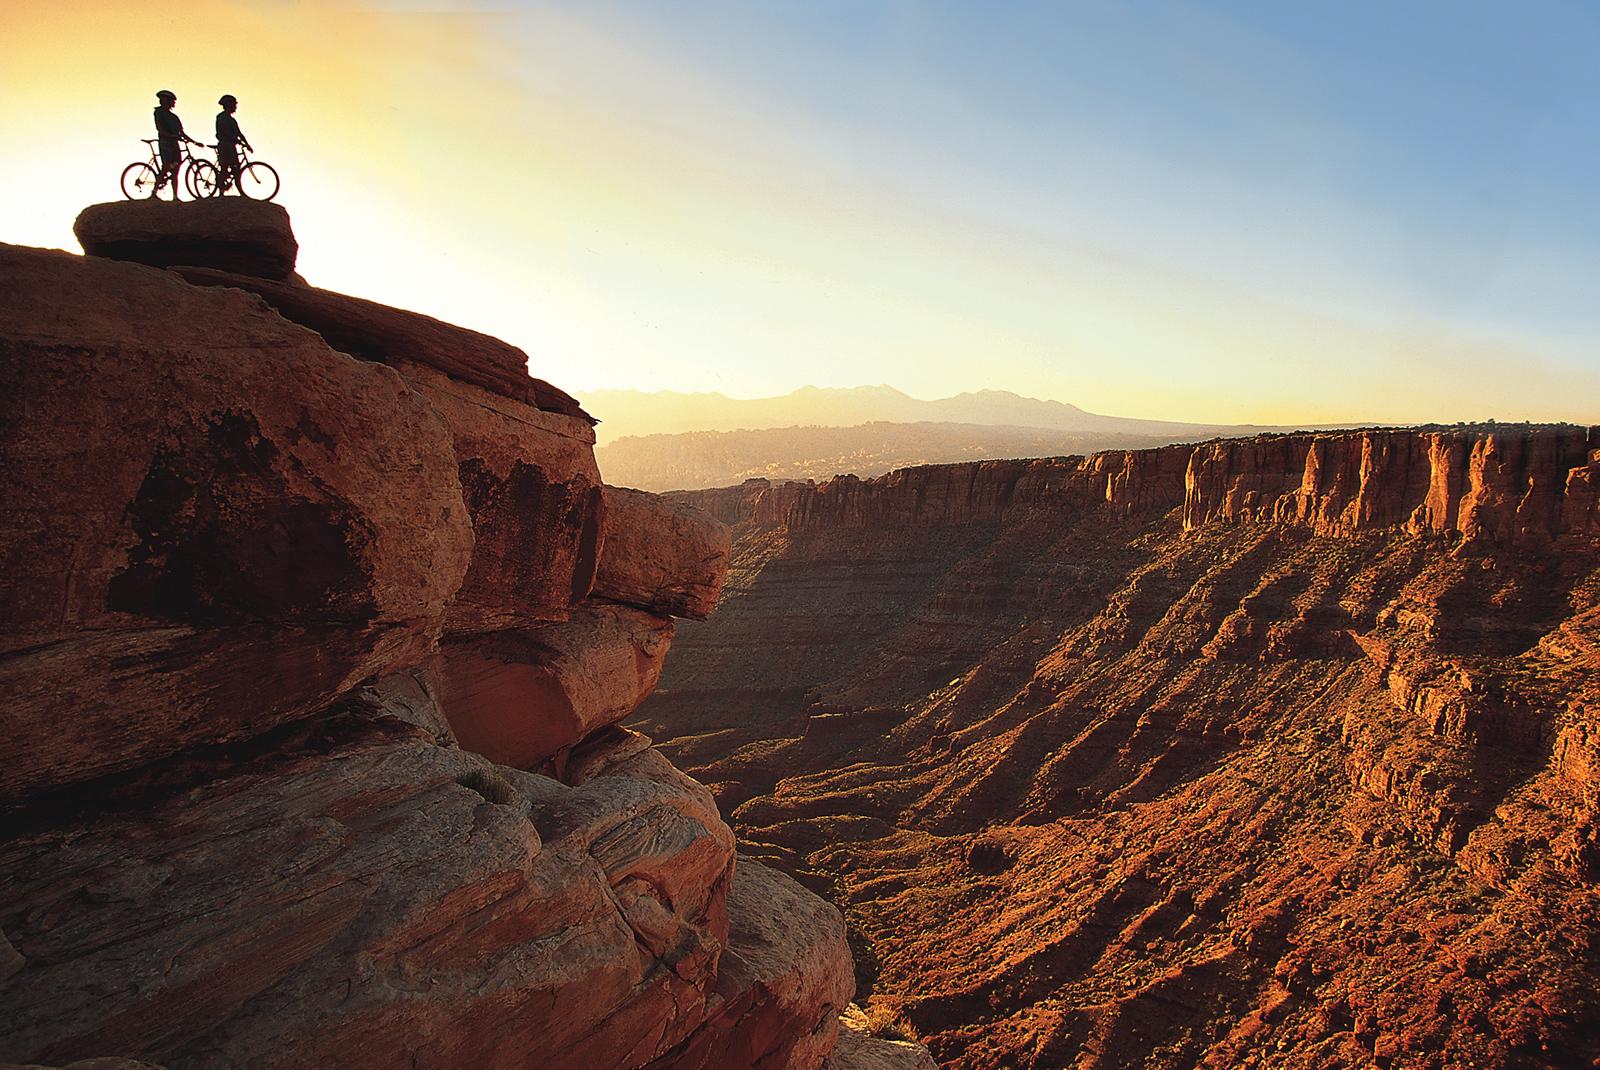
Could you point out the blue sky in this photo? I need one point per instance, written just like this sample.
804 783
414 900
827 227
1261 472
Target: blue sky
1437 154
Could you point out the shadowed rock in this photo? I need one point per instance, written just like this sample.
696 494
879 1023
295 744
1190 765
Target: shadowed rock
229 233
531 488
208 532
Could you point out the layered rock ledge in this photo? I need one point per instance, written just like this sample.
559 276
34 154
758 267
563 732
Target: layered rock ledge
1500 483
315 636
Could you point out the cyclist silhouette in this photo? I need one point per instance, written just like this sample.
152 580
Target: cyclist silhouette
229 138
169 131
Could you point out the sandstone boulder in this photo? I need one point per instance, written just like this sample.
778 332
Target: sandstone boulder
519 697
784 978
214 522
661 554
230 233
379 903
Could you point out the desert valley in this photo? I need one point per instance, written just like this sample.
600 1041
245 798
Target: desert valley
1276 751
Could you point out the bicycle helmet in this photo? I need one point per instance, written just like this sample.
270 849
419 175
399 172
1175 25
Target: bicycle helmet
166 94
227 98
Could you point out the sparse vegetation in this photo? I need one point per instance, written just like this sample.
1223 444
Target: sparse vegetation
491 785
886 1019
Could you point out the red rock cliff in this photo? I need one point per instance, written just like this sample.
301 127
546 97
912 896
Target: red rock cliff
1508 484
1513 484
316 632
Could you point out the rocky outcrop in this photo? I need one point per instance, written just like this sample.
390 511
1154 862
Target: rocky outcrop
1273 752
524 450
522 697
229 233
785 977
315 747
392 902
661 554
194 554
532 491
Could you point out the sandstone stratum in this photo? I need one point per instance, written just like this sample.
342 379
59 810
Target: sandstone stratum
316 632
1277 752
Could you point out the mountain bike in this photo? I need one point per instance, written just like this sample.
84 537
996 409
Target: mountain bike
258 180
142 180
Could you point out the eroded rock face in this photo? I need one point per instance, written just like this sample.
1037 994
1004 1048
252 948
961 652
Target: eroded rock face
383 901
521 697
524 450
193 553
530 484
230 233
1506 485
661 554
785 977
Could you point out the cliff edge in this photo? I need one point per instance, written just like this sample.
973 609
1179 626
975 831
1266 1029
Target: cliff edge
318 624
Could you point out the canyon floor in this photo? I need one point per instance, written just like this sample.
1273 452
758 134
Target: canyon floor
1272 752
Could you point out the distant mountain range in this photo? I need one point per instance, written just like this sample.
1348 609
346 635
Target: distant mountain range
677 441
635 412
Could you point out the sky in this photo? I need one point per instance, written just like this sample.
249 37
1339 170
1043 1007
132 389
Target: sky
1220 212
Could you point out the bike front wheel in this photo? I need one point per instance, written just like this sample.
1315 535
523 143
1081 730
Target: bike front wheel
139 181
258 181
202 180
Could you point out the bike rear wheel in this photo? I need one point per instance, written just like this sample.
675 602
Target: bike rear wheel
203 180
139 181
258 181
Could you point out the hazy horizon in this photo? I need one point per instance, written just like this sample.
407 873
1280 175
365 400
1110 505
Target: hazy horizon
1238 213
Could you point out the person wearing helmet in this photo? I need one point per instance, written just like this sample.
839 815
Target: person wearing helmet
169 132
229 138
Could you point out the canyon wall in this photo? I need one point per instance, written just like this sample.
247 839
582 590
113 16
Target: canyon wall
1276 751
317 627
1515 483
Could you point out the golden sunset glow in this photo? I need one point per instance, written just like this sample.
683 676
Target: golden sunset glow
634 219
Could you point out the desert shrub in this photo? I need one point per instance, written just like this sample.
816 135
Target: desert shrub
491 785
886 1020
